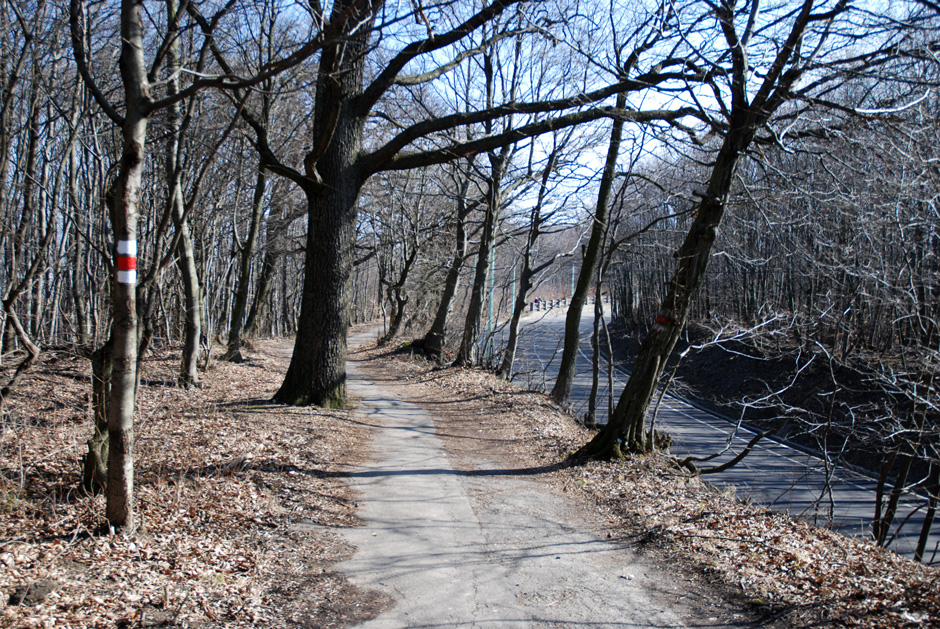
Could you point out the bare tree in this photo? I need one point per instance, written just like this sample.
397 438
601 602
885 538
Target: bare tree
138 105
337 164
746 106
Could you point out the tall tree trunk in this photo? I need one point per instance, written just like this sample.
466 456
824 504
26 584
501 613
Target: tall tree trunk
232 352
467 354
317 371
746 115
20 245
435 339
627 423
527 272
125 198
186 256
569 356
192 294
77 270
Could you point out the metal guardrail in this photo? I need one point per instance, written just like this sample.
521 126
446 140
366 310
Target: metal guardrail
544 305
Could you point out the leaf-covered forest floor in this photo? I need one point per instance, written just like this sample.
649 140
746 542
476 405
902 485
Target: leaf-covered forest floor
241 500
238 502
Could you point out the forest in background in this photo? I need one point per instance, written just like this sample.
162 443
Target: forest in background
481 173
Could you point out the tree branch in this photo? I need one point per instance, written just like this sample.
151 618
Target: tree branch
433 42
374 162
78 47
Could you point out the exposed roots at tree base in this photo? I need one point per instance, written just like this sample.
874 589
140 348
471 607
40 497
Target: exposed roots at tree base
335 401
603 447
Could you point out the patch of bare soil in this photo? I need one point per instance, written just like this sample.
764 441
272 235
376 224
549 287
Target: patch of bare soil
786 571
239 501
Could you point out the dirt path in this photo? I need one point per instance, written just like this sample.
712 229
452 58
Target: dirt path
484 544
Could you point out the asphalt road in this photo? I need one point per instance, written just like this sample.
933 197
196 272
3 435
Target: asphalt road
774 474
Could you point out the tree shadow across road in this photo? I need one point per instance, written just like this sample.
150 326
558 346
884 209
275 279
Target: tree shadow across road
442 471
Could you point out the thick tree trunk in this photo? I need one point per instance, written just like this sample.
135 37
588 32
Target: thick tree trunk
569 356
317 371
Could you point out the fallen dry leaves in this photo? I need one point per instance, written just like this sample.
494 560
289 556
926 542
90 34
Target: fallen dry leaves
238 501
788 571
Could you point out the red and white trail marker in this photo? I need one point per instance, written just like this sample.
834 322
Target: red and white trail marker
127 262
